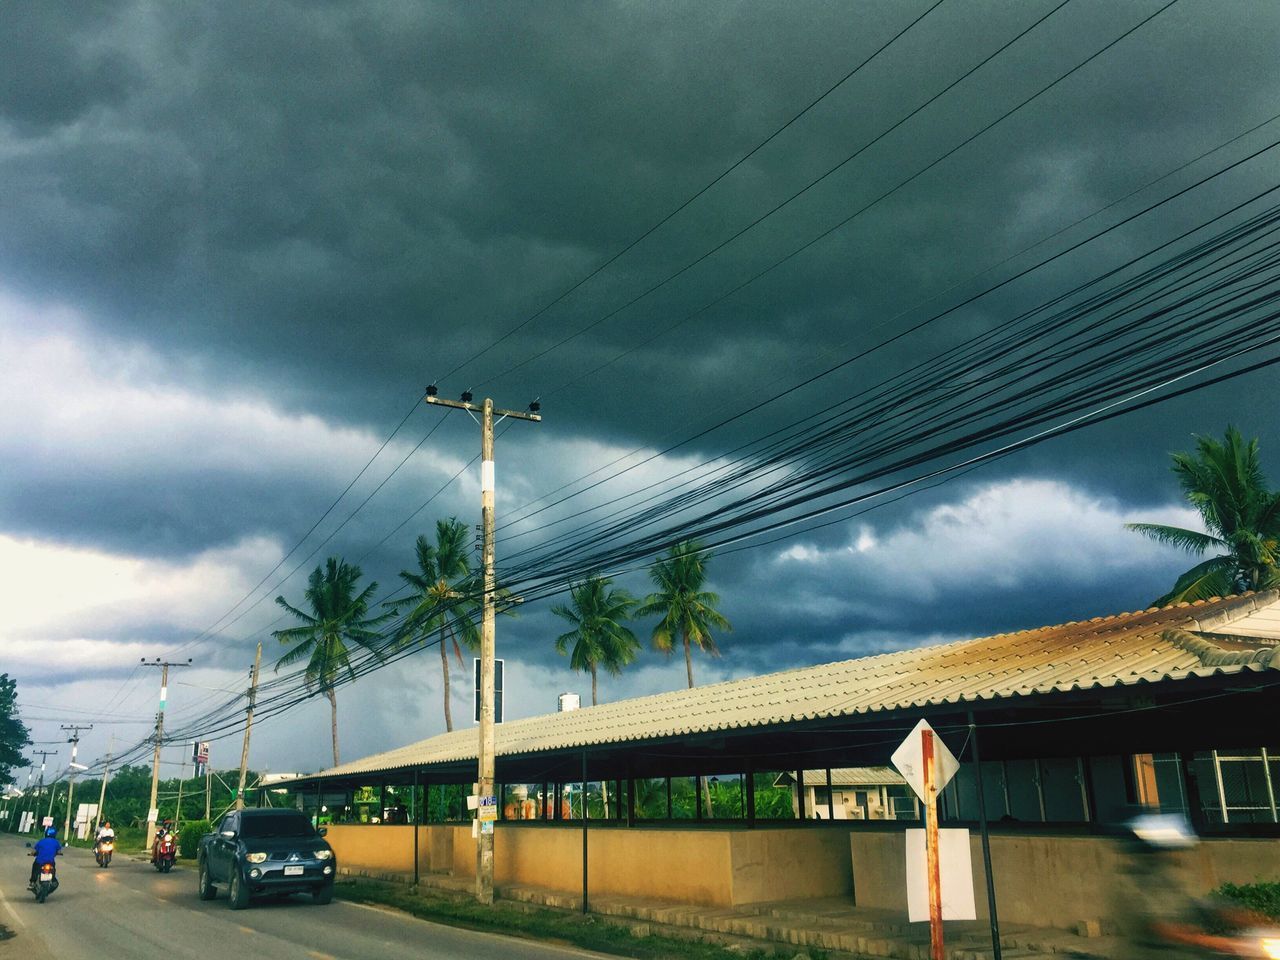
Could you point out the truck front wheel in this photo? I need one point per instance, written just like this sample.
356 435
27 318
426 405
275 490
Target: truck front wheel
237 892
207 890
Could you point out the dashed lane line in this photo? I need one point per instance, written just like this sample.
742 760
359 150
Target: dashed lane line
9 910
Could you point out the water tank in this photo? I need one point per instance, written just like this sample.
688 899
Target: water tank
568 701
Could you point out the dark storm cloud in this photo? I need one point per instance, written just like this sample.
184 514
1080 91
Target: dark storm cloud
277 184
324 206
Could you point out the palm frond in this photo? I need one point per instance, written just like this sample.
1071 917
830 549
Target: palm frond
1192 541
1213 578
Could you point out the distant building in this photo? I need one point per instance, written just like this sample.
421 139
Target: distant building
853 793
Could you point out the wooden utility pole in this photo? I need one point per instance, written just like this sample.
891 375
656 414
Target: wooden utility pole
936 950
248 726
74 740
152 812
484 844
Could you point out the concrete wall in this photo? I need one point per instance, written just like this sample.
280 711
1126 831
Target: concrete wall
699 866
789 864
1050 880
1046 880
378 849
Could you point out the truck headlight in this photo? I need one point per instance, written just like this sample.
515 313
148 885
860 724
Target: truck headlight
255 857
323 854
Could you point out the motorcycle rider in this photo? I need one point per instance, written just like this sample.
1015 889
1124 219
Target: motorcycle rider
1158 911
105 835
45 851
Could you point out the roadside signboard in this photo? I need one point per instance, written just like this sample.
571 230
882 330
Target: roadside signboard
955 868
498 665
200 757
927 765
488 809
908 760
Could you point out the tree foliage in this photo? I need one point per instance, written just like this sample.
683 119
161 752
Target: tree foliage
599 638
14 735
339 619
1241 516
685 610
445 600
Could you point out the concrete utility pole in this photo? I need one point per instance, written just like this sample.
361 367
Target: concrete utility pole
15 816
152 812
102 794
44 755
74 740
248 725
484 845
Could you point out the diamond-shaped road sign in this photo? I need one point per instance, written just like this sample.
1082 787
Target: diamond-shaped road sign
908 759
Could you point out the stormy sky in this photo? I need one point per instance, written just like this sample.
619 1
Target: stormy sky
237 240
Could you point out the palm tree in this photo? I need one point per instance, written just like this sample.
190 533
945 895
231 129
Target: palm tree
686 610
339 616
598 636
1224 482
445 599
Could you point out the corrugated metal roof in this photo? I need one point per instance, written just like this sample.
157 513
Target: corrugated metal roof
1158 644
847 777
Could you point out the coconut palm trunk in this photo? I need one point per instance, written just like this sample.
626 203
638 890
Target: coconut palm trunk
595 700
688 658
333 705
444 670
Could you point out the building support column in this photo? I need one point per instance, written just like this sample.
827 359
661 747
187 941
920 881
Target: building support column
584 831
986 840
417 815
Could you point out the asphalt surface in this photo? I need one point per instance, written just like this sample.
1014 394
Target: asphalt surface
129 910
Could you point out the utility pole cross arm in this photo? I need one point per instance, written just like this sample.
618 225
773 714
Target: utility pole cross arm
479 408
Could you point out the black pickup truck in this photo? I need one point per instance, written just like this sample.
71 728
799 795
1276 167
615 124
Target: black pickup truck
266 852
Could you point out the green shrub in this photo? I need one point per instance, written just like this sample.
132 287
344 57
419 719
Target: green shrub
1263 898
189 838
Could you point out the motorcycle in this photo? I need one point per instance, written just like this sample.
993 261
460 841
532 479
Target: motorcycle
165 852
46 882
102 851
1258 943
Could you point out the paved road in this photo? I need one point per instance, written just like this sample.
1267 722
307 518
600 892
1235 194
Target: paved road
129 910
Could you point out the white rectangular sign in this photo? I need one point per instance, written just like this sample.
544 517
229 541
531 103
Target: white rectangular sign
955 869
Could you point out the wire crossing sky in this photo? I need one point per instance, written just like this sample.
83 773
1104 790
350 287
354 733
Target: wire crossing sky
900 305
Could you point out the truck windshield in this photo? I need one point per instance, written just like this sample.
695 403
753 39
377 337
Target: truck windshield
277 825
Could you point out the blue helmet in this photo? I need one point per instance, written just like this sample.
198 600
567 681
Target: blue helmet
51 831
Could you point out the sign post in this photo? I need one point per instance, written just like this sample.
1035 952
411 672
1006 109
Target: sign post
928 766
936 950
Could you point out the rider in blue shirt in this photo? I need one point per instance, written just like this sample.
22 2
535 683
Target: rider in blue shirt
45 851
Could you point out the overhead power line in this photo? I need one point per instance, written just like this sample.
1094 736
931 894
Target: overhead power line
681 207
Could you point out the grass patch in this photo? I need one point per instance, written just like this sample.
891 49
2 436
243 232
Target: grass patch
544 924
1260 898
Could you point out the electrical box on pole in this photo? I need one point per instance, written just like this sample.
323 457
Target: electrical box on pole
497 690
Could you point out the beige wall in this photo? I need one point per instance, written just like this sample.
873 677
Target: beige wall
789 864
377 849
1043 880
1050 880
701 866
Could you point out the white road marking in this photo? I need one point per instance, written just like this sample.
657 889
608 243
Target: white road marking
9 909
